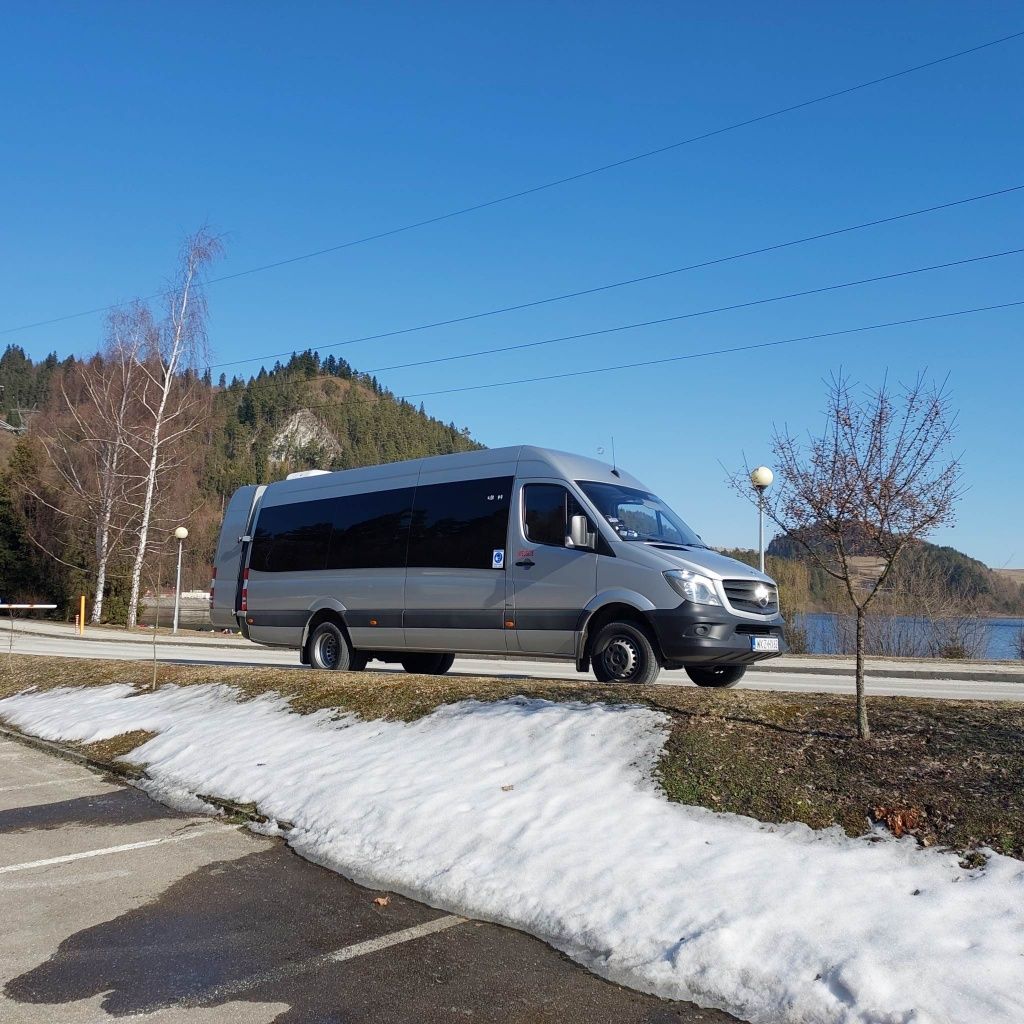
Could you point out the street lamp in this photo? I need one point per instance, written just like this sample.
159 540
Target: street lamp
761 477
181 533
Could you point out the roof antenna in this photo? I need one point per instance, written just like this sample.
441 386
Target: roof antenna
615 471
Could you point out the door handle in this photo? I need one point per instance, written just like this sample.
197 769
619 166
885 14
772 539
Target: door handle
526 563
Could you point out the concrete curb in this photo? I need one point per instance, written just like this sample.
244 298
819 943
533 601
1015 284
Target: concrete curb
130 638
979 676
131 774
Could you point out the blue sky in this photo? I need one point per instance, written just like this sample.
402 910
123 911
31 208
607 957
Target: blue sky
293 128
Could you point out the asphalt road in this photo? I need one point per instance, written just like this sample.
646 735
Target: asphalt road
233 651
113 905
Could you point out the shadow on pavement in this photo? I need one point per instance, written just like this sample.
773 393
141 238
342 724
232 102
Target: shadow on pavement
121 807
256 929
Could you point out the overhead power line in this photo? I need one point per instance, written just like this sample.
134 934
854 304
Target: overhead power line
693 314
609 286
729 350
712 352
557 182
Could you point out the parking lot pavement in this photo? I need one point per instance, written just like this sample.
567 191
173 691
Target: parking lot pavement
115 906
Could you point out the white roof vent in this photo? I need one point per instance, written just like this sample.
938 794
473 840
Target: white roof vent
307 472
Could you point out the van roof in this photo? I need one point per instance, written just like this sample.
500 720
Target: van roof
545 461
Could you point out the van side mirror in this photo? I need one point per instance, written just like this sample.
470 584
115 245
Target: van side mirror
580 536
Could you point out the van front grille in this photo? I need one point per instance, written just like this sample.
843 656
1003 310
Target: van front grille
752 596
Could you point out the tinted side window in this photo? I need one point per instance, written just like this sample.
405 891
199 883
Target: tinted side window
459 525
291 538
544 514
371 531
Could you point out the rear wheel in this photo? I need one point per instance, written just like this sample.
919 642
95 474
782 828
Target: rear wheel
428 664
329 649
623 653
716 675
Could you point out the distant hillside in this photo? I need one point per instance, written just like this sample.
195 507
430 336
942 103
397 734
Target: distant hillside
306 413
970 582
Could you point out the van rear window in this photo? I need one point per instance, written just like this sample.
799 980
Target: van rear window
291 538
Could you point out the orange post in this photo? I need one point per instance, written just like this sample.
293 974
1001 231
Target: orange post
81 616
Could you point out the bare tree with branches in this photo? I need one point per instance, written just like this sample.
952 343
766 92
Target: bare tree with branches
879 476
169 395
87 438
131 331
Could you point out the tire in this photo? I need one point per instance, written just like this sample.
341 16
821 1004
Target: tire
623 653
329 649
428 664
716 675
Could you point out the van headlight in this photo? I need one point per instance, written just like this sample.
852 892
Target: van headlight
691 586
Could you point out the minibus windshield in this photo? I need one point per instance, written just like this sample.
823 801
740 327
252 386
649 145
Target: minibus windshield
639 515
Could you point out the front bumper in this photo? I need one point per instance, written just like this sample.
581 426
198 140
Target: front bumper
695 634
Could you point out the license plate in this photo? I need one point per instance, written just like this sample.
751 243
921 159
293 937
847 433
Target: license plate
764 643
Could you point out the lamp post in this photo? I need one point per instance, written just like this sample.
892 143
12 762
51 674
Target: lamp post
181 533
761 478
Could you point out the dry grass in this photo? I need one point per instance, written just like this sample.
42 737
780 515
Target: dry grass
115 747
1014 575
952 768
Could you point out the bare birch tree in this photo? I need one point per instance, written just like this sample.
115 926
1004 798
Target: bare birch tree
87 436
131 331
169 395
879 476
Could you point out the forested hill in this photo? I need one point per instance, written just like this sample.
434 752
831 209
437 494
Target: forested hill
315 414
303 414
306 413
924 571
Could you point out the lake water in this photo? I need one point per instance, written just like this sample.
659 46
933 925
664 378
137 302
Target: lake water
996 639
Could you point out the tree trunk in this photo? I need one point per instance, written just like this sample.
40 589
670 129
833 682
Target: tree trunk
108 483
102 550
147 508
863 729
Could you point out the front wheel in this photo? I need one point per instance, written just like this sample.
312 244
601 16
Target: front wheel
329 649
623 653
428 664
716 675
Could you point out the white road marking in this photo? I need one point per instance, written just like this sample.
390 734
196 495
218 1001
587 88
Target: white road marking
52 782
63 881
439 924
221 992
108 850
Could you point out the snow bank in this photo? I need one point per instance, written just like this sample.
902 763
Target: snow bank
543 816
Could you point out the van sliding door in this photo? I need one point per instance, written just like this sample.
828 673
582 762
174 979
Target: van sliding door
455 587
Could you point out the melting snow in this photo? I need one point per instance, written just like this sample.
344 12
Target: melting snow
544 816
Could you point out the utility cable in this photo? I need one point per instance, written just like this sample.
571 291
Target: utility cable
654 362
557 182
693 314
